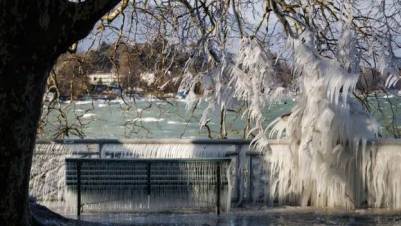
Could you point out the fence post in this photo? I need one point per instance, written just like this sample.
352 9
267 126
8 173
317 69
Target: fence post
250 177
100 146
148 182
79 163
218 184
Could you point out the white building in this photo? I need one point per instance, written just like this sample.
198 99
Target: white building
107 79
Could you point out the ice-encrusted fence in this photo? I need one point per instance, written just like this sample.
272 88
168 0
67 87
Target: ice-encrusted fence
48 183
262 178
148 184
374 175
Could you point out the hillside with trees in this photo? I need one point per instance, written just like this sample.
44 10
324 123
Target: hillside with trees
130 62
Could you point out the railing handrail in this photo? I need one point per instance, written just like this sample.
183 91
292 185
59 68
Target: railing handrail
185 141
145 141
217 162
214 159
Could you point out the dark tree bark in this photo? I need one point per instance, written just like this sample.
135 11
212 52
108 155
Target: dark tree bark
33 33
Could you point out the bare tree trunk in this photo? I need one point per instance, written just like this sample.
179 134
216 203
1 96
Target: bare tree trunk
20 108
32 35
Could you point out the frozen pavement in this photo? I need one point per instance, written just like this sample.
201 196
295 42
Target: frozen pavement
251 217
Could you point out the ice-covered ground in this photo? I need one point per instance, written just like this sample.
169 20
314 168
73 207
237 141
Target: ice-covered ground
251 217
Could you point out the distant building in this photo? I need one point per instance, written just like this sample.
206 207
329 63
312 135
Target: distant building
148 77
105 79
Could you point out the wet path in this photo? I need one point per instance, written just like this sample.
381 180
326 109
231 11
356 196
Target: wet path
274 217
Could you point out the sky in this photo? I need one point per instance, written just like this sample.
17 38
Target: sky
110 35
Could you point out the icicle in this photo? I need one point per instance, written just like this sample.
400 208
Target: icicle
166 150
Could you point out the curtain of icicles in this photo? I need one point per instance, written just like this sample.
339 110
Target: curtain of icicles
47 180
165 151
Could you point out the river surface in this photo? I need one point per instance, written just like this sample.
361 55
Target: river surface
153 118
147 118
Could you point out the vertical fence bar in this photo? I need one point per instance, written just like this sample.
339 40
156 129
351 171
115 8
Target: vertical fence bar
148 182
237 173
100 147
79 163
250 177
218 189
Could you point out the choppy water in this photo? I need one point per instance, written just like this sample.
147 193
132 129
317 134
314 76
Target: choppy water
147 119
170 119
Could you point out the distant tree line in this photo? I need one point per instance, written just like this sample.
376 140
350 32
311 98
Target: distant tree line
69 77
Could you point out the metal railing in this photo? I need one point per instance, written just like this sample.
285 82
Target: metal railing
144 173
98 150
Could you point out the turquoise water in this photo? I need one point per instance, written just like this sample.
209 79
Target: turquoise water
147 119
170 119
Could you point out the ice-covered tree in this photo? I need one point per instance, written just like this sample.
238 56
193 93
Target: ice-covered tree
329 44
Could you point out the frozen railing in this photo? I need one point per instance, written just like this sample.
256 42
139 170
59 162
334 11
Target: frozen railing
153 184
48 183
150 148
255 177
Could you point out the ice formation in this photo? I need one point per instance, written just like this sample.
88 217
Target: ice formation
47 180
255 82
328 131
328 162
165 151
384 180
389 65
373 173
